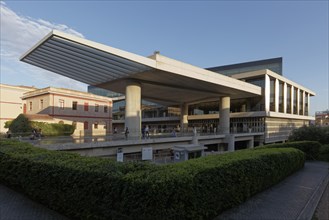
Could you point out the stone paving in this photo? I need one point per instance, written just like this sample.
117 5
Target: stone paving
15 206
294 198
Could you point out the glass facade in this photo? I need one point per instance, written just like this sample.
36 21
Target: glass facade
306 103
301 106
288 110
274 65
272 94
259 81
295 101
281 96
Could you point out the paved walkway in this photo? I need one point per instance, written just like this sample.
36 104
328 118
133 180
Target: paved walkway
295 198
15 206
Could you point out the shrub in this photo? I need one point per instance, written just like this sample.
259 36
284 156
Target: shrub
53 129
311 133
21 125
310 148
324 153
98 188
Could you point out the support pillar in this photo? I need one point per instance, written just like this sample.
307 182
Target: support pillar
224 117
267 93
133 108
183 118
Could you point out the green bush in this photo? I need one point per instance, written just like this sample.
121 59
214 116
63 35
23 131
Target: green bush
7 124
20 125
311 133
324 153
310 148
23 126
98 188
53 129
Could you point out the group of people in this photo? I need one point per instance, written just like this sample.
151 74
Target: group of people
36 133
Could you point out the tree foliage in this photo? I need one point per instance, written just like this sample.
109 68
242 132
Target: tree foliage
311 133
21 124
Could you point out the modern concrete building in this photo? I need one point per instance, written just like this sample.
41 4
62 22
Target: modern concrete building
91 114
252 97
11 104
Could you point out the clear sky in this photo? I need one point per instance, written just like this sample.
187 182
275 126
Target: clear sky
202 33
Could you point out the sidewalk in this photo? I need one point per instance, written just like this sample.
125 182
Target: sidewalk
295 198
15 206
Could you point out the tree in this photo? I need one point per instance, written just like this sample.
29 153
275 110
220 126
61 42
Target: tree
311 133
21 124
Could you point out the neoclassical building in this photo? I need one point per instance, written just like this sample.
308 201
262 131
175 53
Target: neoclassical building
90 114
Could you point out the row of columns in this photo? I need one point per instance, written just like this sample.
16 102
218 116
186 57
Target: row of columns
133 119
285 96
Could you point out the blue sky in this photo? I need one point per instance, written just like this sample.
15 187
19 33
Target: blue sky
202 33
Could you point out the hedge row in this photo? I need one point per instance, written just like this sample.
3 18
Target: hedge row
310 148
23 126
324 153
96 188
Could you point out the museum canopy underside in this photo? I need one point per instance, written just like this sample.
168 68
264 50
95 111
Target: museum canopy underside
163 80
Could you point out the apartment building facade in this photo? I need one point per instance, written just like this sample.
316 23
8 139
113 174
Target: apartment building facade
11 104
89 113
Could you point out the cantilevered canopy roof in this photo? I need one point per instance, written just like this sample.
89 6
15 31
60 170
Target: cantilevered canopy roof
163 80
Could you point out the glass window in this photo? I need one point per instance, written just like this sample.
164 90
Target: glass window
281 87
272 94
41 103
96 107
295 100
288 110
61 104
86 106
96 125
257 81
105 108
74 105
30 106
301 96
85 125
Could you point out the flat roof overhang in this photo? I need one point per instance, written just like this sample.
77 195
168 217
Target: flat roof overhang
163 80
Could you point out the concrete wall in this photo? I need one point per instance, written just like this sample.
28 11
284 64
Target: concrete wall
279 129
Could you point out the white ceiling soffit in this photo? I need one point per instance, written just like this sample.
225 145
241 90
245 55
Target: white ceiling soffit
84 60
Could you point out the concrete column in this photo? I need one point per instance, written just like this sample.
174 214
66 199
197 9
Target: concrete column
230 139
298 98
224 117
285 98
308 104
183 117
276 95
133 108
251 143
267 93
303 103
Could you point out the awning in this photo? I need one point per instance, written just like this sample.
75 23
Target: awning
163 80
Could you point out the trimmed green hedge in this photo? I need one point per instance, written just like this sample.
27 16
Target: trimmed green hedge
310 148
324 153
52 129
23 126
97 188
